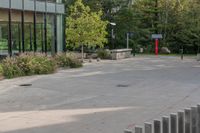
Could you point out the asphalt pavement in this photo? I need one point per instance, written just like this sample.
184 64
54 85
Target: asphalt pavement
101 97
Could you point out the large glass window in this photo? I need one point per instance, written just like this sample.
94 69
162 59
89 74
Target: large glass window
40 32
28 38
59 33
50 33
16 31
3 33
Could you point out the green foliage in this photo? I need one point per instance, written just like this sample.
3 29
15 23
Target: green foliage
177 20
1 70
10 68
104 54
85 27
3 44
68 60
32 64
27 64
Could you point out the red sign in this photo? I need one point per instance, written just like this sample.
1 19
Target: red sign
156 46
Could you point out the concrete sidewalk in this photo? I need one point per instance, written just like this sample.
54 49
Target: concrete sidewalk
102 97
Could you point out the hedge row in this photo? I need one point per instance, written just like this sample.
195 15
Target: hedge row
35 64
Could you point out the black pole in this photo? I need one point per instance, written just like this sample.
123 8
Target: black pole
22 24
9 30
134 50
182 51
42 37
64 27
19 37
34 28
31 46
45 28
55 29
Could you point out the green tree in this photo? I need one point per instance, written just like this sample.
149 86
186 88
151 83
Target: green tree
84 27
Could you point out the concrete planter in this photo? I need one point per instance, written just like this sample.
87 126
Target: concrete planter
120 54
198 57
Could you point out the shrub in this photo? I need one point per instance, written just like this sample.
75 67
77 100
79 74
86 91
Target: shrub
1 70
41 64
28 64
104 54
11 69
31 64
68 60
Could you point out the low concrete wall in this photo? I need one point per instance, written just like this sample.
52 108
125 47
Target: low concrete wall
120 54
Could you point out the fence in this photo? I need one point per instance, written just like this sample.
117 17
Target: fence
187 121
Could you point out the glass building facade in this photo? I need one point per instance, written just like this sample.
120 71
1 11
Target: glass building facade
31 25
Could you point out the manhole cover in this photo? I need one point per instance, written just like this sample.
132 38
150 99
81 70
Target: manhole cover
122 85
25 85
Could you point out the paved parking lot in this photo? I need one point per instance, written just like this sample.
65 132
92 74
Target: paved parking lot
104 97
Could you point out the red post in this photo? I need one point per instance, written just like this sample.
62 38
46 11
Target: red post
156 46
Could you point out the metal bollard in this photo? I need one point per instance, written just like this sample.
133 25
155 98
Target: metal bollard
138 130
165 125
127 131
198 118
180 122
147 127
187 120
173 123
157 126
194 120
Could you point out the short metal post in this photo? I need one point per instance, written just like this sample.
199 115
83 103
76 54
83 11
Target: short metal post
138 130
187 120
180 122
173 123
198 118
147 128
127 131
193 120
157 126
165 125
182 52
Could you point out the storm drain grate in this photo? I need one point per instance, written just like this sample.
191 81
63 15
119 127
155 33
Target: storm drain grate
25 85
123 85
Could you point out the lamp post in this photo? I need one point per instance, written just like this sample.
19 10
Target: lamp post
112 33
127 40
128 36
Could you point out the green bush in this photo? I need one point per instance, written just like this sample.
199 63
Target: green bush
1 70
28 64
104 54
44 65
32 64
68 60
11 68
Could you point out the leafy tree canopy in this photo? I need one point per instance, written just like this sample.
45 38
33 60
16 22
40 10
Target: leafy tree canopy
85 27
